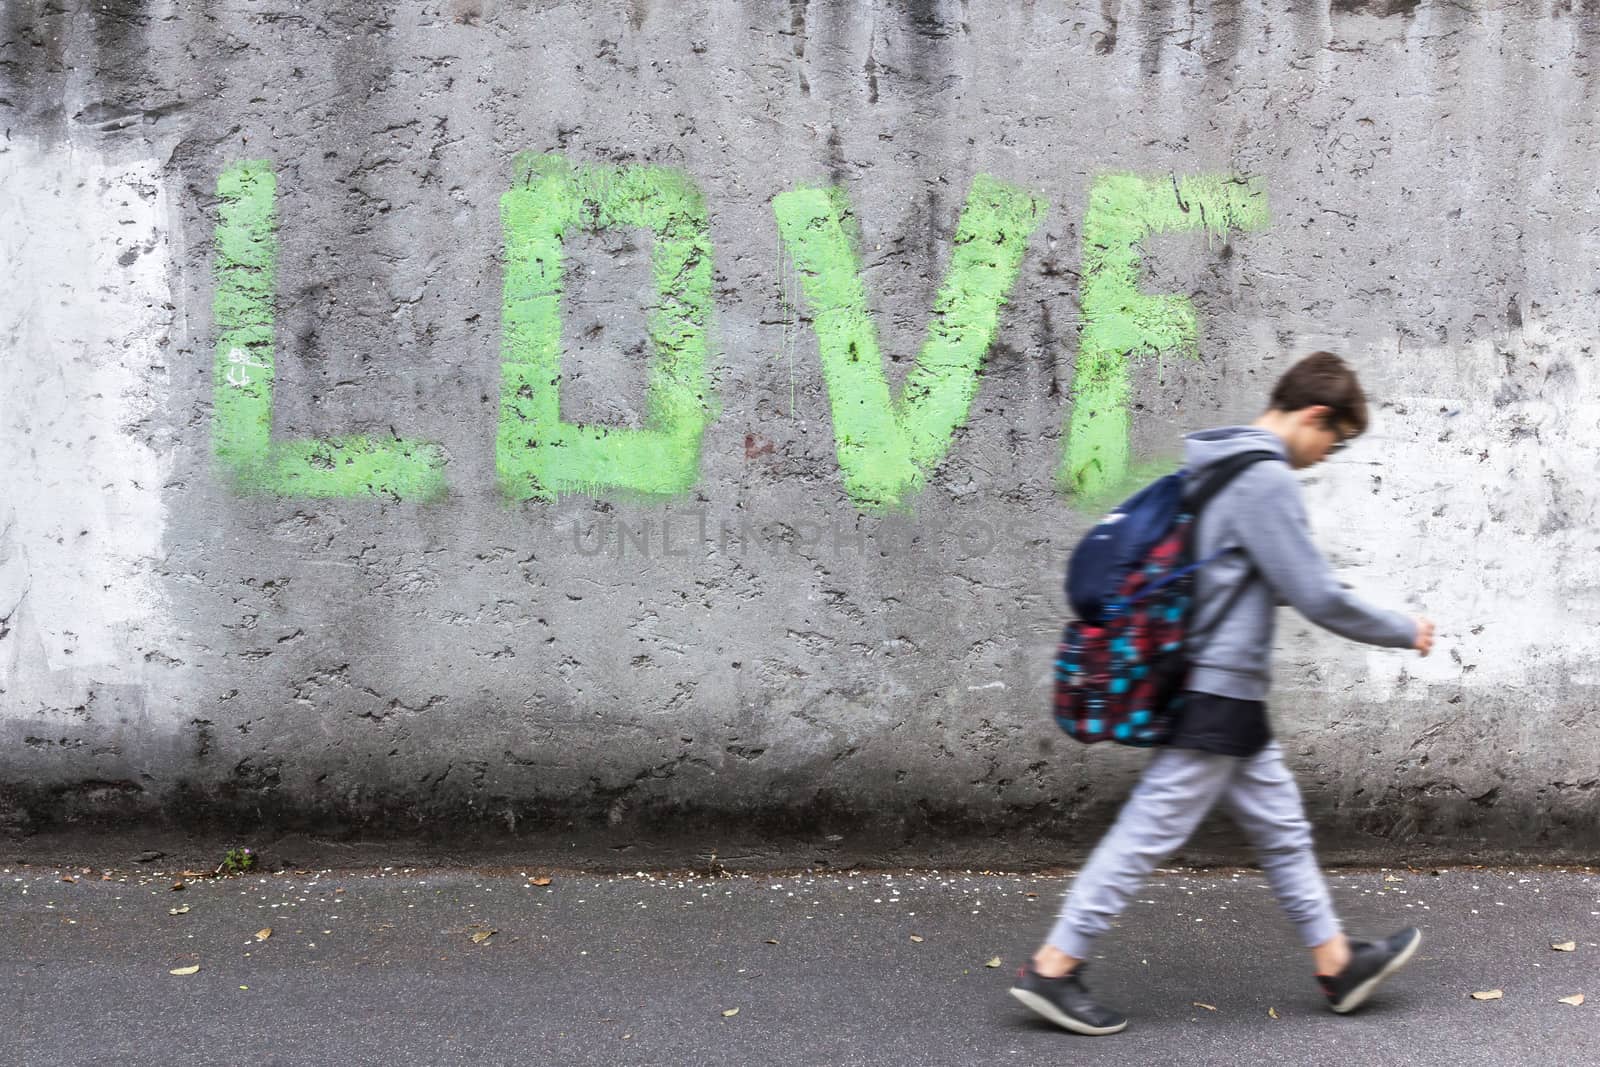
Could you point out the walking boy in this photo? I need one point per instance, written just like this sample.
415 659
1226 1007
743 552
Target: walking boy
1221 748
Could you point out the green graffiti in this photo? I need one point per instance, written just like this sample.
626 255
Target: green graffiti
1120 323
887 448
247 261
538 456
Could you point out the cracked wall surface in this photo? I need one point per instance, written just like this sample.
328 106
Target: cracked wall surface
642 419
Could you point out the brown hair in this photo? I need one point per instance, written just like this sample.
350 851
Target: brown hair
1322 379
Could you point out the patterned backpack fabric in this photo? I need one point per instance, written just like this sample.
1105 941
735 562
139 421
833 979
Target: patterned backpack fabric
1120 667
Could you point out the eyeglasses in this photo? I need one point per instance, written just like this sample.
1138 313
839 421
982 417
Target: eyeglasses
1340 441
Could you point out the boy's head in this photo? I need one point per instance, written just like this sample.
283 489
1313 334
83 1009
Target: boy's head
1316 407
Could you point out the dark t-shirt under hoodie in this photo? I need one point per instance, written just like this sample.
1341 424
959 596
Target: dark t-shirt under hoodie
1261 514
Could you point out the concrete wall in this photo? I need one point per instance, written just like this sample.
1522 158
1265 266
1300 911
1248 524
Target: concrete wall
487 415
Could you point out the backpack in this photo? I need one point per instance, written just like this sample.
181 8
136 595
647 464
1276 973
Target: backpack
1120 667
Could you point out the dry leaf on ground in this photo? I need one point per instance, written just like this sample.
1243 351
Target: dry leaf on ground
177 885
917 938
1272 1013
730 1013
178 911
262 935
1574 1000
185 970
772 941
1207 1007
1492 994
1565 946
482 935
993 963
1392 878
538 881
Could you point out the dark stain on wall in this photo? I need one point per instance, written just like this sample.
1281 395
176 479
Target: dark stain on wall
797 26
1155 21
118 28
33 40
1223 48
927 58
870 68
1380 8
923 17
1105 38
836 160
124 74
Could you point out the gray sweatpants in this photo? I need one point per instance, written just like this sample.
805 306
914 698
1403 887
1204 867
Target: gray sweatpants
1178 788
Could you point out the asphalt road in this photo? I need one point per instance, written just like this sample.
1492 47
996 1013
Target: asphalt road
381 967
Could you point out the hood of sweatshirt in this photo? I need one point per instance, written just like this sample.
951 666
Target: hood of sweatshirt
1201 450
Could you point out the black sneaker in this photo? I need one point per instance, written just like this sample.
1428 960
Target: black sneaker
1066 1002
1370 963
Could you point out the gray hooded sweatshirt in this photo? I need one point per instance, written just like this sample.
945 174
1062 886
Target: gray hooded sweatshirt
1262 512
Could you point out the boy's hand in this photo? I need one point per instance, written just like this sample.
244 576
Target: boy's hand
1424 641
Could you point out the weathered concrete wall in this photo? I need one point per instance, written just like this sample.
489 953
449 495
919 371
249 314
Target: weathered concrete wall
482 414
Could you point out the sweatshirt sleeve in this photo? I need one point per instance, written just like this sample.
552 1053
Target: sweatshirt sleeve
1270 521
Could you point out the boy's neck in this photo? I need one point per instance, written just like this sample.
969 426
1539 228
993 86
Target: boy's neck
1280 423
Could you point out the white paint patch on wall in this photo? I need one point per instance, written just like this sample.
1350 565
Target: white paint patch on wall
1474 499
84 318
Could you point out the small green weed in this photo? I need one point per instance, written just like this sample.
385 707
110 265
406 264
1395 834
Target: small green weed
237 861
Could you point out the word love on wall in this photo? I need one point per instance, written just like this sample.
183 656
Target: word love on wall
887 446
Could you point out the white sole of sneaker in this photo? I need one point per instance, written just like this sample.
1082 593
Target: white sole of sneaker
1041 1006
1358 996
